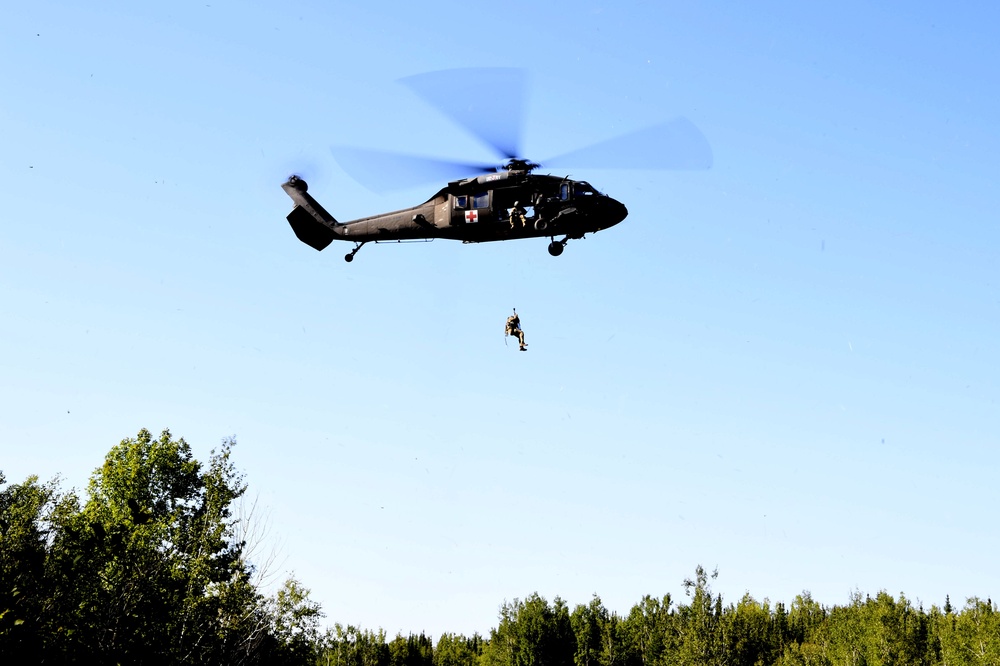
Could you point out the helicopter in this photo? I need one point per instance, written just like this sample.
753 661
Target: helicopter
493 202
473 210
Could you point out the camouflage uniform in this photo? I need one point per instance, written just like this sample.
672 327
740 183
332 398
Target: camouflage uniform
514 328
517 215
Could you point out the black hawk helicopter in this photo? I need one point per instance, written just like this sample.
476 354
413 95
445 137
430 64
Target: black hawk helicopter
503 202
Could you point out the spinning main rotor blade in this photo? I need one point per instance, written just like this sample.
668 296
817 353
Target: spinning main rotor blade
382 171
676 144
487 101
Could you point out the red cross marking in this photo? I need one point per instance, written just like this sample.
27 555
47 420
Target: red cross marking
472 216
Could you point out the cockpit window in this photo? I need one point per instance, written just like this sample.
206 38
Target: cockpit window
582 188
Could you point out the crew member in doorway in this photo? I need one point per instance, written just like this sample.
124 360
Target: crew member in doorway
517 214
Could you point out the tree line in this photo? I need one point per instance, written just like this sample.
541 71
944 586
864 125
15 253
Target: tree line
153 566
703 631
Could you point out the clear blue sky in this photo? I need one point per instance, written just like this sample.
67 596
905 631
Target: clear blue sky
784 367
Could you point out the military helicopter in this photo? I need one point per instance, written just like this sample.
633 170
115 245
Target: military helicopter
502 202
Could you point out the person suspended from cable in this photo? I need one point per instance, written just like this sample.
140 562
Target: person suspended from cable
514 328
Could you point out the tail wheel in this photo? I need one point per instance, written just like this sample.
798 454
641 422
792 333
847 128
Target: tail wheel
349 257
555 248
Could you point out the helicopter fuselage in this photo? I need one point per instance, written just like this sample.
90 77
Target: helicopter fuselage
493 207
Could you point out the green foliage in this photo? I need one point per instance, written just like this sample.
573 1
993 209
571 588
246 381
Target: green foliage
973 636
532 633
295 623
147 570
751 632
600 636
879 631
699 624
150 569
457 650
29 516
651 632
411 651
351 646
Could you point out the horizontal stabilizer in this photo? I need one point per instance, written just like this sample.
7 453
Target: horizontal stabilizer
309 230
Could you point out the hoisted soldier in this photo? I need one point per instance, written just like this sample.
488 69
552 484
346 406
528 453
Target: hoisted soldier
514 328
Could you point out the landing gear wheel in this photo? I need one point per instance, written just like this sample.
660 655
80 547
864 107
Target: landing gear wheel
541 225
349 257
555 248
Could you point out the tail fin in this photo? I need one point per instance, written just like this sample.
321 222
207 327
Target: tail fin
311 223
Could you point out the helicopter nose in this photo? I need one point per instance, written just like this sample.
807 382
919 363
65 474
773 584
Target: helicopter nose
616 211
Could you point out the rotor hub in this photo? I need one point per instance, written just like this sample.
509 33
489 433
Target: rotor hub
516 165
